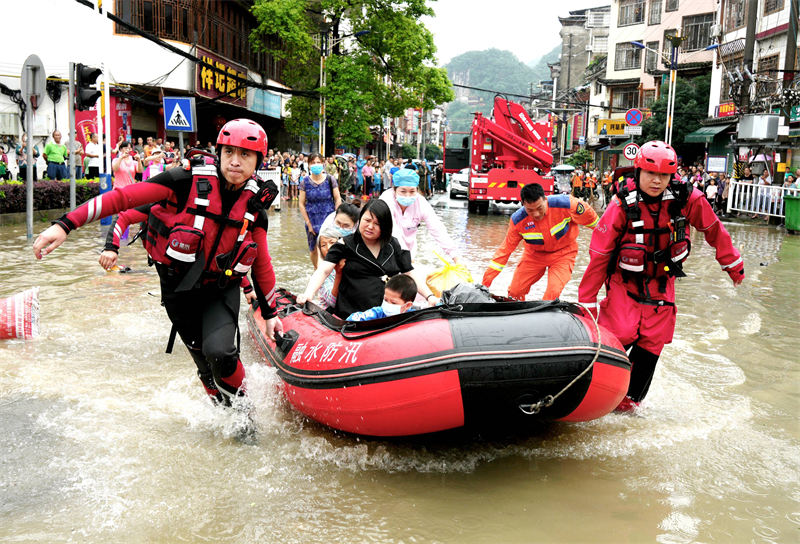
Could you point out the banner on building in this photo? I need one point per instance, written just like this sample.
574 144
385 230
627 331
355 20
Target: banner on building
266 103
726 109
86 122
221 83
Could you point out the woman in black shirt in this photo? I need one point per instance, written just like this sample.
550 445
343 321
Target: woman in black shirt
371 255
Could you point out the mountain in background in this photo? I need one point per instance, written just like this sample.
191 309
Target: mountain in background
540 69
495 70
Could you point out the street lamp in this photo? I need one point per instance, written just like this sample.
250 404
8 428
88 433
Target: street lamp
675 40
325 48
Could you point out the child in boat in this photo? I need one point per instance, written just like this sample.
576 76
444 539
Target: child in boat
398 296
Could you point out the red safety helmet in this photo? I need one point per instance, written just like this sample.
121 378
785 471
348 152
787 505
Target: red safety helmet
244 133
657 157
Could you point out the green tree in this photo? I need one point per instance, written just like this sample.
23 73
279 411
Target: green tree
580 158
691 105
433 152
385 69
409 151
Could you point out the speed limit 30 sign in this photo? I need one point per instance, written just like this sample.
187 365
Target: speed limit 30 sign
630 151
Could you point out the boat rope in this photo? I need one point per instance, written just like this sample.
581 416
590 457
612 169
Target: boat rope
547 401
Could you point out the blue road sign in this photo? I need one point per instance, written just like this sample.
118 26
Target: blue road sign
633 117
179 113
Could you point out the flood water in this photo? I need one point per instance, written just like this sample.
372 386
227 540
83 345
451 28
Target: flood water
108 439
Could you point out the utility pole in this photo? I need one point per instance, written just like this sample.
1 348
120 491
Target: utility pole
791 50
749 48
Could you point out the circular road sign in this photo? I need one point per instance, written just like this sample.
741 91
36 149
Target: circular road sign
630 151
34 81
633 117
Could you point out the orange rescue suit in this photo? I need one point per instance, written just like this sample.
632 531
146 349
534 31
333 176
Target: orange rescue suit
550 246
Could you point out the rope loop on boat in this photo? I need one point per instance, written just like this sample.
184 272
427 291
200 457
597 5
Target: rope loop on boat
546 402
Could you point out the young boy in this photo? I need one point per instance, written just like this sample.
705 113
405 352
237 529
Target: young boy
398 295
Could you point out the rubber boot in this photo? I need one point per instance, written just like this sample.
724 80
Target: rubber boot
205 375
643 366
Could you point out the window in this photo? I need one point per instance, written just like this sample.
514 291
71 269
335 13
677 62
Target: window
697 30
148 17
768 67
628 57
597 19
771 6
672 5
186 32
624 98
168 22
651 57
648 97
655 13
599 44
631 12
598 87
735 14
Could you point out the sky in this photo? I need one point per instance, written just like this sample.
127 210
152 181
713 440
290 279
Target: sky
527 28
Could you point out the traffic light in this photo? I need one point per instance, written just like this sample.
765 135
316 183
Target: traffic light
86 94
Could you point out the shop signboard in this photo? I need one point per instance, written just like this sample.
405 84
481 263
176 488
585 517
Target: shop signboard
613 127
221 83
266 103
726 109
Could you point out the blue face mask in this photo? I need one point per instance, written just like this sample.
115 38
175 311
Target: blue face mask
316 169
344 232
406 201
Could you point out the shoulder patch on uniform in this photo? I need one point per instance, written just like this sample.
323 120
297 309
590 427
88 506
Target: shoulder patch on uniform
579 209
558 201
518 216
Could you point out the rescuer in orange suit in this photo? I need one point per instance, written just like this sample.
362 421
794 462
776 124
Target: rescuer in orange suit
549 227
577 184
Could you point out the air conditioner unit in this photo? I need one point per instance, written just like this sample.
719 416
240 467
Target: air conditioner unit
758 127
715 30
589 47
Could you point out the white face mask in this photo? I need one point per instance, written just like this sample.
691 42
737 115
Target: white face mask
390 309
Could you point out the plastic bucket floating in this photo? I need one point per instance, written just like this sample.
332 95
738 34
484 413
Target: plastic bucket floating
19 315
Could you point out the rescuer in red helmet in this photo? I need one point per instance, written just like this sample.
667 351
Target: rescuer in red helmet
638 249
206 232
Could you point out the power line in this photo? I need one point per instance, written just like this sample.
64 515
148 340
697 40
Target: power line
197 60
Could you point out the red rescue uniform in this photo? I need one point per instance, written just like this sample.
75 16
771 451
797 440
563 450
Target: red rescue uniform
638 265
550 246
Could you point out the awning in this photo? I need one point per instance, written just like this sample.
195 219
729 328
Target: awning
617 149
705 134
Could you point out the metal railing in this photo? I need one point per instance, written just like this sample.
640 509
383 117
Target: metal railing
764 200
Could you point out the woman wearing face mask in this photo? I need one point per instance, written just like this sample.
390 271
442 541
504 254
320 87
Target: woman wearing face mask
319 196
409 210
343 220
370 255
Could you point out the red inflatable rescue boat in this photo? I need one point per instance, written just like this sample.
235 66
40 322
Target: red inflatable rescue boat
507 365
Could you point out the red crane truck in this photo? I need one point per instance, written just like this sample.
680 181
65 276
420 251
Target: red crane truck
506 153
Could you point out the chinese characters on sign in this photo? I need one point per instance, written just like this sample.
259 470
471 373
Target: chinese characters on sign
613 127
326 353
222 82
726 109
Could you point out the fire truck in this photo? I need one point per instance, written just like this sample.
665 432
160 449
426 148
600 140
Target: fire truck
505 153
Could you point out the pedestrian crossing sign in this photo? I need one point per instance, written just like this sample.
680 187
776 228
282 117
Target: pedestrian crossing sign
179 113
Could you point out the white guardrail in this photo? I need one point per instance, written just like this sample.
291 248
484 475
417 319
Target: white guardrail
275 175
758 199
